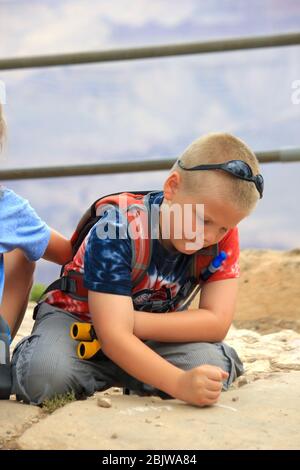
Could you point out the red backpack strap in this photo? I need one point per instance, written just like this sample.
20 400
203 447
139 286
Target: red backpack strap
135 206
91 216
139 219
198 265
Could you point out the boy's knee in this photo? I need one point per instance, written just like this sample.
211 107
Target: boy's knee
215 354
197 354
223 356
38 375
40 385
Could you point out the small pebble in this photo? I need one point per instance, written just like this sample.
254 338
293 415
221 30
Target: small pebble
147 420
114 436
235 398
104 402
155 400
242 381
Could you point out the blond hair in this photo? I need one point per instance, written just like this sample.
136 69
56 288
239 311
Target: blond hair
2 127
218 148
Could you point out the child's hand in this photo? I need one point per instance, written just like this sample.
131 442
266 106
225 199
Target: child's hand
201 386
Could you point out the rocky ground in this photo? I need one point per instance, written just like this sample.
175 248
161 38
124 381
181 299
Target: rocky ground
260 411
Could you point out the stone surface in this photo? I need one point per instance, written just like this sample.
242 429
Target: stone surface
265 354
14 419
260 411
262 415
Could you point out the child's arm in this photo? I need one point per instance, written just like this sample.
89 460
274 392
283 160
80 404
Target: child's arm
59 249
113 319
19 277
18 282
210 322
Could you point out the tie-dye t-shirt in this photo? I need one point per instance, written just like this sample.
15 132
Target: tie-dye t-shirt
106 267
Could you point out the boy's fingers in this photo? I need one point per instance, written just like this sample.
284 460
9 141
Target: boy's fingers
225 374
212 395
209 401
216 373
214 385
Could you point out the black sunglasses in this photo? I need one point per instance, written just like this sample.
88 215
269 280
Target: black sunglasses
238 168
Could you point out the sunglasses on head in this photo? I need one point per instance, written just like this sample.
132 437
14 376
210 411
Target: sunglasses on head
238 168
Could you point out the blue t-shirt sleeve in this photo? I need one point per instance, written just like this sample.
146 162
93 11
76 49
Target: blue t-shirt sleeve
1 277
21 227
107 260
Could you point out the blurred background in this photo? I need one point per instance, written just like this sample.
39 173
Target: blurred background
154 108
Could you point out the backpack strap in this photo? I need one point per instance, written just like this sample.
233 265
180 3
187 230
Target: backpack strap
72 284
91 216
211 251
141 245
139 228
136 212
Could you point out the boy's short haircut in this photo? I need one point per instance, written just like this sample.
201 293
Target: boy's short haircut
218 148
2 126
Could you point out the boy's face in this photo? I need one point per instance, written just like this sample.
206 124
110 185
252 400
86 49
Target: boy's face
204 221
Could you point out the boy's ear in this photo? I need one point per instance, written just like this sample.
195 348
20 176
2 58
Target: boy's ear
171 185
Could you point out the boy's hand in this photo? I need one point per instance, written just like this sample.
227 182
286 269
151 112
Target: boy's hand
201 386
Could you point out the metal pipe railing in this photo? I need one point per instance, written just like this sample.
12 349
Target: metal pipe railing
286 155
150 52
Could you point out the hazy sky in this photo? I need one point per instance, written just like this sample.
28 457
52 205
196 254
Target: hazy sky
150 108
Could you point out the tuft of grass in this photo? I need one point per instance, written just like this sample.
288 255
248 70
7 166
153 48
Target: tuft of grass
58 401
36 292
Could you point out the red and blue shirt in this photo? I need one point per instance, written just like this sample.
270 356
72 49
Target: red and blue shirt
105 264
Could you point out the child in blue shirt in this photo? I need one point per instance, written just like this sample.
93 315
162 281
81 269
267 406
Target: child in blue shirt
24 238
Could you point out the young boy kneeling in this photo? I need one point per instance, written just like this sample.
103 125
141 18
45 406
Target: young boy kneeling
165 351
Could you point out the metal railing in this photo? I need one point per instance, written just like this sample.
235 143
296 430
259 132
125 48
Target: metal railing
287 155
221 45
150 52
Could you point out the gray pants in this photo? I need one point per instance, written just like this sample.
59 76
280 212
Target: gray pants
45 363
